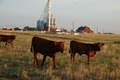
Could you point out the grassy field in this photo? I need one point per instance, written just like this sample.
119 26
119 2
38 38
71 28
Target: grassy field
105 65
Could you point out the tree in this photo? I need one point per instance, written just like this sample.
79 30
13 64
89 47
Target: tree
16 28
27 28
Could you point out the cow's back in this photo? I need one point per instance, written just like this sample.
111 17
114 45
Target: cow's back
77 45
5 38
80 47
41 45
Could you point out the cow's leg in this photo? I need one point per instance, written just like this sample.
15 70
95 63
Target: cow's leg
54 66
74 57
71 57
5 44
88 58
12 45
35 58
44 58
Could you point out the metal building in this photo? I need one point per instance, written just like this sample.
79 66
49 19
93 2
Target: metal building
47 22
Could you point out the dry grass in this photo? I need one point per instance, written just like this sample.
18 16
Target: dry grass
105 65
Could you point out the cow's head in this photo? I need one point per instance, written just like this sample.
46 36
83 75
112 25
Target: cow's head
98 46
13 36
60 46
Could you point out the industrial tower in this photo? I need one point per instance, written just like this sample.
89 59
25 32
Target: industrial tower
47 22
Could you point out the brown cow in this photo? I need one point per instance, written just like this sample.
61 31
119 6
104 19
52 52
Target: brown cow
84 48
7 38
46 48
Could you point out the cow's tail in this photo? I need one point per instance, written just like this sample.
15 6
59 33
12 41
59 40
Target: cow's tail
31 49
69 51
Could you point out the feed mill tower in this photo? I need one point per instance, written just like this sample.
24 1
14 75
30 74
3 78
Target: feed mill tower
46 22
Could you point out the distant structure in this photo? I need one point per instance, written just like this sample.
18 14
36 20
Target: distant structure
4 27
47 22
84 29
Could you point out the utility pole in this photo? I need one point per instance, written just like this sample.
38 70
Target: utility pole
73 27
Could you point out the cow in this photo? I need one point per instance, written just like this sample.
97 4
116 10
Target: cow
7 39
84 48
46 48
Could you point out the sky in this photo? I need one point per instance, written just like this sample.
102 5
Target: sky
103 15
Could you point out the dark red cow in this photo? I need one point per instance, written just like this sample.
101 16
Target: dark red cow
7 38
46 48
84 48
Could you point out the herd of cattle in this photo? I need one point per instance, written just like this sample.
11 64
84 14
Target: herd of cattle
50 48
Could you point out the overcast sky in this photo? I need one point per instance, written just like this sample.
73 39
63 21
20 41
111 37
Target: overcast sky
101 14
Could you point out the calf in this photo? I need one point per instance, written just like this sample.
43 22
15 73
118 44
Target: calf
46 48
7 38
84 48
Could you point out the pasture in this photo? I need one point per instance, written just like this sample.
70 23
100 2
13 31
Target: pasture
15 63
